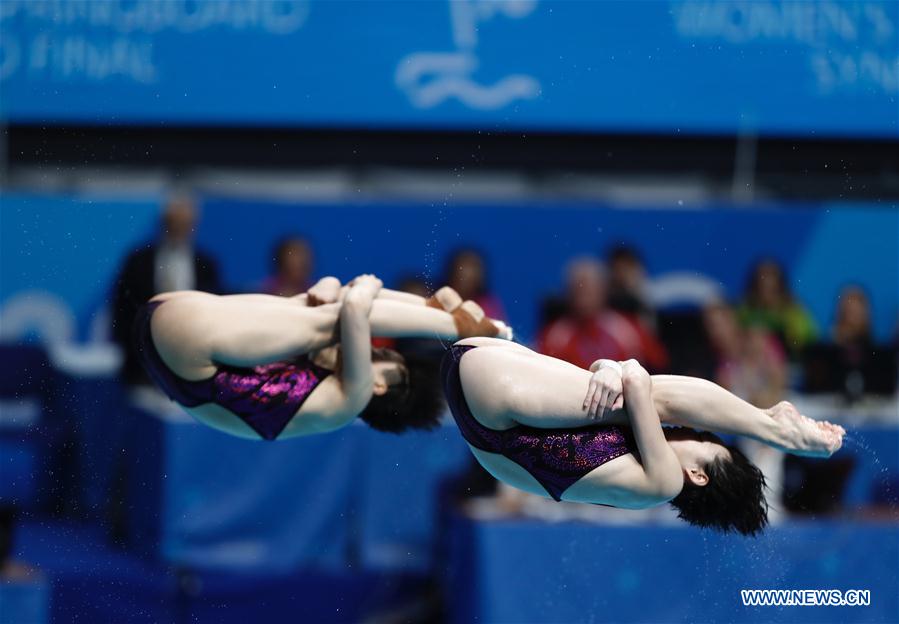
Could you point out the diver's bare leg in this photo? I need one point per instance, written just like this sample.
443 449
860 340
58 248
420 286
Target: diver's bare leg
698 403
191 333
395 319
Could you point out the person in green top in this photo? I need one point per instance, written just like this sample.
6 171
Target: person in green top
768 302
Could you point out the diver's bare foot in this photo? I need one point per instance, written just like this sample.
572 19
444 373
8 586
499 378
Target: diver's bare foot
505 332
445 299
801 435
471 321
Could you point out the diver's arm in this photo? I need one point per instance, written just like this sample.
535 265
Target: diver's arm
660 464
604 393
356 377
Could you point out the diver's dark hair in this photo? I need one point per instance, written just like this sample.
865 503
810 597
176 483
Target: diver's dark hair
732 500
416 402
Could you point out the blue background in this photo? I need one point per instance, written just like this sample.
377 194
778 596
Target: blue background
72 246
804 68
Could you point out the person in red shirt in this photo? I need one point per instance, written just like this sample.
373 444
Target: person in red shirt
589 329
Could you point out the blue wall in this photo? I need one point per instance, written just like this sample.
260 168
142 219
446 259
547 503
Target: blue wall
72 246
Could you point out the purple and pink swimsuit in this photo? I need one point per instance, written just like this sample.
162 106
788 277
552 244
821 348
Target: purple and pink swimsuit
266 397
556 458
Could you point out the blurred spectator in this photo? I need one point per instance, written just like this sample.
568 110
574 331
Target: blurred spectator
293 268
589 330
170 263
629 295
627 284
769 302
414 285
852 326
851 363
466 272
750 361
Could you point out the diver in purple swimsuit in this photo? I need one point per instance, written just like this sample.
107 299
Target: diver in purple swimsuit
260 366
265 397
527 422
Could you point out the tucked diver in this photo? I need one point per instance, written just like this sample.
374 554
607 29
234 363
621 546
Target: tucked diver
528 422
261 366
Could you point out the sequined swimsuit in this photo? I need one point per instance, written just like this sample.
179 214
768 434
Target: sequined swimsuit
556 458
265 397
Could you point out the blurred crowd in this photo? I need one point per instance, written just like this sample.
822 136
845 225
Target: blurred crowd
759 347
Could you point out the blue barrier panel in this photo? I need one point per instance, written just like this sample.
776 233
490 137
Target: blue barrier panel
203 499
93 408
19 460
92 581
399 495
25 600
875 451
528 571
811 68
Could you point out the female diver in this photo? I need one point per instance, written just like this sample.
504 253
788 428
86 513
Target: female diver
262 366
527 421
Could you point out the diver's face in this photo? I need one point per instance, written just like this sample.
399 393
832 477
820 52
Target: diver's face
386 374
695 450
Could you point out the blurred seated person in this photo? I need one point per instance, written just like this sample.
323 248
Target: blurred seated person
171 262
293 265
750 361
851 363
852 326
466 273
769 302
414 285
589 329
628 291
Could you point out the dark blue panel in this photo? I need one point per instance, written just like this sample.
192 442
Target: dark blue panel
204 499
405 473
25 600
530 571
